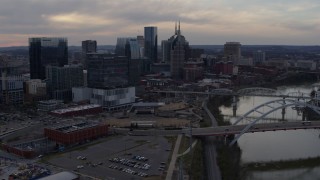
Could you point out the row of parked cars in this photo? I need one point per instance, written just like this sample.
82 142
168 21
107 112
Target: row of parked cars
130 163
140 158
128 170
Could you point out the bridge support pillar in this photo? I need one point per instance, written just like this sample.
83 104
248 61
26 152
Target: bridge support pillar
283 112
303 115
234 106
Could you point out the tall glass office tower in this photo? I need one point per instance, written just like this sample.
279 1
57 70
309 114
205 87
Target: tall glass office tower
151 43
45 51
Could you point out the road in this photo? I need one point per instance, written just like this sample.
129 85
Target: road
213 171
173 158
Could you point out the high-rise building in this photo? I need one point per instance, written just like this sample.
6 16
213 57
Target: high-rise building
259 57
133 49
179 47
107 70
140 40
61 80
11 89
45 51
88 46
121 45
166 50
128 46
108 82
232 50
135 61
11 82
151 43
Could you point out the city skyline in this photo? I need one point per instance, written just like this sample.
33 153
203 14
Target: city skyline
286 22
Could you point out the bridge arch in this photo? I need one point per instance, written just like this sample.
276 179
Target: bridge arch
283 104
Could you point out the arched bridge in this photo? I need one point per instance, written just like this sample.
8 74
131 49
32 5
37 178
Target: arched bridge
239 130
282 103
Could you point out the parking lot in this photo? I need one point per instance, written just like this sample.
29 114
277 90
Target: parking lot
119 158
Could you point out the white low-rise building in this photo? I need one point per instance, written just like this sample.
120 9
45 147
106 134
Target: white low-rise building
109 99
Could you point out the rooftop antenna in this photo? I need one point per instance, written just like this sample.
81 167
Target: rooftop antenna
175 29
179 28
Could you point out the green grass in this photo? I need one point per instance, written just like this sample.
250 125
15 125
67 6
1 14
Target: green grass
193 163
184 145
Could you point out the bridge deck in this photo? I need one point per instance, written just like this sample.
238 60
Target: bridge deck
227 130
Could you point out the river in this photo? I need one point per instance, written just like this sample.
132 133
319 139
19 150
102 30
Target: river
278 145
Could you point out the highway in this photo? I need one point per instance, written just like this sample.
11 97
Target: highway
213 171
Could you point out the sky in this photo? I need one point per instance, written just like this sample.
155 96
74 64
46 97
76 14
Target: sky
203 22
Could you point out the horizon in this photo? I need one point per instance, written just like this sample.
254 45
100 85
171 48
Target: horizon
189 44
289 22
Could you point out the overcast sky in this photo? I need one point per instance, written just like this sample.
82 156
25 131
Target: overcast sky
292 22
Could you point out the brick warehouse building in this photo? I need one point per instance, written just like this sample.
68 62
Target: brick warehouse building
78 132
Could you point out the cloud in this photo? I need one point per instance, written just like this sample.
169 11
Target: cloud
203 21
78 20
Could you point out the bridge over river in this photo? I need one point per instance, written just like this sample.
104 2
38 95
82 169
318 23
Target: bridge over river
227 130
236 129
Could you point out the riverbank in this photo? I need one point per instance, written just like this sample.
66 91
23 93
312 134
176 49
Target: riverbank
282 165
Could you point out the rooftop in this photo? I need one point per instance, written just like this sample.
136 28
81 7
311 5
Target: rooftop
73 126
77 108
65 175
148 104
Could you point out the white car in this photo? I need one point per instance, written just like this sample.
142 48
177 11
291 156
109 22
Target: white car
80 166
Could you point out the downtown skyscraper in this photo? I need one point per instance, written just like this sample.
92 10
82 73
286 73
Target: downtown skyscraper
45 51
151 43
177 53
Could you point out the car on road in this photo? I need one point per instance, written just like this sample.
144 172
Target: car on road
80 166
306 122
